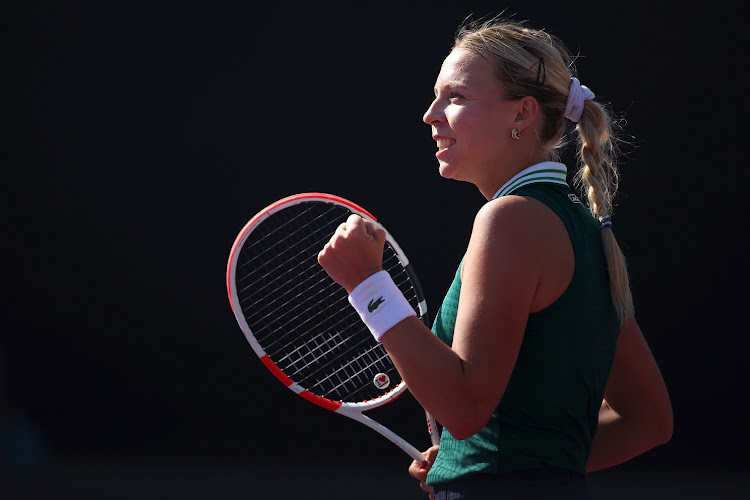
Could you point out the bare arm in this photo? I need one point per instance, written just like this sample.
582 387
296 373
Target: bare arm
461 385
636 414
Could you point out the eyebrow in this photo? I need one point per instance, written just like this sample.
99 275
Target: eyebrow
452 85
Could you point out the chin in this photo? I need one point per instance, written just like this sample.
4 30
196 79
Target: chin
452 172
446 171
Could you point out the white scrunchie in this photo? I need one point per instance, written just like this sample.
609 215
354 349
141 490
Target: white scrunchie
576 96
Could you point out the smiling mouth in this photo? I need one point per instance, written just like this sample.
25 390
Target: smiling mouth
443 143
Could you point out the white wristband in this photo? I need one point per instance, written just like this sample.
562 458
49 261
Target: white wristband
380 303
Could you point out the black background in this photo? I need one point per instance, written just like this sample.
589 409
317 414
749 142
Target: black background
142 137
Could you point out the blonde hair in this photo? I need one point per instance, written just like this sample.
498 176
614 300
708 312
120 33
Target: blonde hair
532 62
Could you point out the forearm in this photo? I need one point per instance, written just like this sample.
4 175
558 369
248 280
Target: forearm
619 439
435 374
636 414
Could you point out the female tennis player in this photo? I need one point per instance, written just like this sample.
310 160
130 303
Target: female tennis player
535 366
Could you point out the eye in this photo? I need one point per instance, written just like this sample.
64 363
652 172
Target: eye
456 95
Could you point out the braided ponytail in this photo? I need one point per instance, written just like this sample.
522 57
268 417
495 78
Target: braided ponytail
598 177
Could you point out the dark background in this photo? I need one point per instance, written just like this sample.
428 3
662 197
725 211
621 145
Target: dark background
142 137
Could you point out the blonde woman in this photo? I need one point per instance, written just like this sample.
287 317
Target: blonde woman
535 366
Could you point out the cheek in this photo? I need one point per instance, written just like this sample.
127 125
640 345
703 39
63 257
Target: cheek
475 121
479 134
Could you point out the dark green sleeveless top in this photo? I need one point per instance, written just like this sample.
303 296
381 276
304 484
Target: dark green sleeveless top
549 412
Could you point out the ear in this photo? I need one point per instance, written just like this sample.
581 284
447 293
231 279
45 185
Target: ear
527 110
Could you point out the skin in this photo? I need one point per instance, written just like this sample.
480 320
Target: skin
519 260
469 109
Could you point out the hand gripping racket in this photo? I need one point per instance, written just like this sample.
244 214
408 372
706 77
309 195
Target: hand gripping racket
299 321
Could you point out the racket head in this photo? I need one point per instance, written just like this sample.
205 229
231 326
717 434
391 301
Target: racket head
297 319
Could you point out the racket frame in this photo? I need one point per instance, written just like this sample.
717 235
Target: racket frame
353 410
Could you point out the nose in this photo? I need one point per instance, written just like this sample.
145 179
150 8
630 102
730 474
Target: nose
433 114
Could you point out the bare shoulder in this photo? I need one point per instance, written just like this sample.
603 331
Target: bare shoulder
518 216
509 233
525 240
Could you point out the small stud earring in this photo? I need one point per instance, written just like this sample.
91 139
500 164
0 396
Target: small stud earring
514 134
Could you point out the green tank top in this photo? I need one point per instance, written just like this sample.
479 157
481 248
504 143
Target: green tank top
548 414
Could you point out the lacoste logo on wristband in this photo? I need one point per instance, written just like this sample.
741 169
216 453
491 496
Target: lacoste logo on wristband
374 304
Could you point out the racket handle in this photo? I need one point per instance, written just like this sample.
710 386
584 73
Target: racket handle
432 429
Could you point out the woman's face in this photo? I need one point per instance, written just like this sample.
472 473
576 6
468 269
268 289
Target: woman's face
470 120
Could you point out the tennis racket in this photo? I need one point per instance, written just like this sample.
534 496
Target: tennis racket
299 321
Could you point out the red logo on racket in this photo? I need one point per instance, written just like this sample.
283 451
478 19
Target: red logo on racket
381 381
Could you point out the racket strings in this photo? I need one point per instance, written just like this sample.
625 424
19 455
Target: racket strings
297 221
300 316
297 318
317 342
360 368
361 374
401 278
337 349
282 244
290 286
340 361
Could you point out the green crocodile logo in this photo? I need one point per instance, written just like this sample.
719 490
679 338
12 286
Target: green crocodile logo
374 304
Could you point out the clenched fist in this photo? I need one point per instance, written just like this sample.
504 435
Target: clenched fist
354 252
